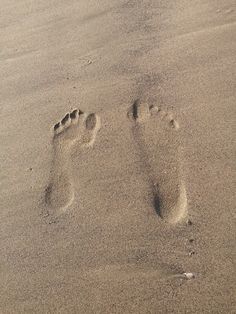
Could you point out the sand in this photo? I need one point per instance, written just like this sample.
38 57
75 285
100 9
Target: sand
117 156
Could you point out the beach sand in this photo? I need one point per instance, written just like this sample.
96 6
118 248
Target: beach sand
117 156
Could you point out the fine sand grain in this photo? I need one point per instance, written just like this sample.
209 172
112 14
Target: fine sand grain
127 203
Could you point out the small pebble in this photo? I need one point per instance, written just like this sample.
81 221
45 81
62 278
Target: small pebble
189 275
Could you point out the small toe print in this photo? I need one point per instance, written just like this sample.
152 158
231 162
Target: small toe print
65 119
74 114
174 124
91 121
56 126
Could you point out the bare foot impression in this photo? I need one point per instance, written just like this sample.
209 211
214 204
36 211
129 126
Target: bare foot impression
156 136
76 128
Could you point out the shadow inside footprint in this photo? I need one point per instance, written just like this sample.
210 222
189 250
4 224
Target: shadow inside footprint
134 109
157 204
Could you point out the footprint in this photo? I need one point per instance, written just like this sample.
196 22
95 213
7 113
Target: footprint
76 128
129 272
156 135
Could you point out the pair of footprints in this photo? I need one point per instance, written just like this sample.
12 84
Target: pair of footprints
163 173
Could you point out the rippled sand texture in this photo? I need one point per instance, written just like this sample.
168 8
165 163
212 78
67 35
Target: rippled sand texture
127 203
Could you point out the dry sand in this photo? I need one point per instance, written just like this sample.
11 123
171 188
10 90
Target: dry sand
106 210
